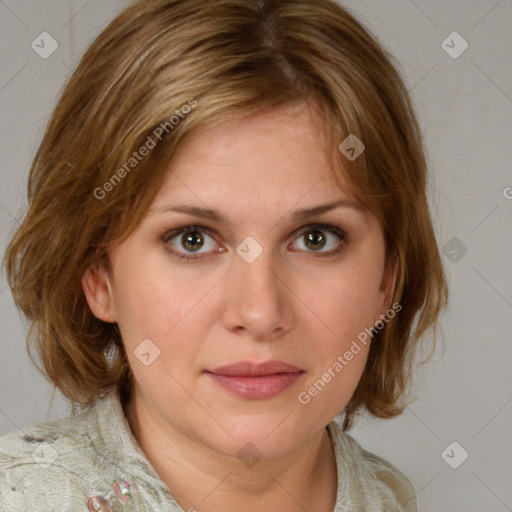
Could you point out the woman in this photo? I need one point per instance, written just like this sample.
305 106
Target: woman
228 244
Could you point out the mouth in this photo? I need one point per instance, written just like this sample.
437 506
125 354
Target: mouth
256 380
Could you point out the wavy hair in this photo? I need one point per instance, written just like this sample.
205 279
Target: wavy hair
229 58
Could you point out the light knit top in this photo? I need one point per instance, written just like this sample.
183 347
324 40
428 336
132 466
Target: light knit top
92 461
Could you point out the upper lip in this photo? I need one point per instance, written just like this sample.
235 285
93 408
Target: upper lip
249 369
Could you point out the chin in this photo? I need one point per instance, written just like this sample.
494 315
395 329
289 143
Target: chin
266 436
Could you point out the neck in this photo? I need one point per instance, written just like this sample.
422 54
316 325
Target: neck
303 479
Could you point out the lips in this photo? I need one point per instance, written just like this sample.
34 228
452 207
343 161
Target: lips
247 369
256 380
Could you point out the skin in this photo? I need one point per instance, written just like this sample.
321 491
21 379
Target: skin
294 303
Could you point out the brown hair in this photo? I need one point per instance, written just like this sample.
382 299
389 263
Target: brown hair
227 59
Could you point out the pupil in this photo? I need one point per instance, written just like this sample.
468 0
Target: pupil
192 240
315 240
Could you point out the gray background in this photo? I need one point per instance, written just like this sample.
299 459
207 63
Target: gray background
465 106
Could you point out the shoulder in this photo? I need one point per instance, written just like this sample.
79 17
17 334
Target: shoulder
43 444
383 483
48 463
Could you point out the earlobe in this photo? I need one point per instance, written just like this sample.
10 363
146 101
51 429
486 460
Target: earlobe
98 292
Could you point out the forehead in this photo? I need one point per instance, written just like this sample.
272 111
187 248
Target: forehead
276 157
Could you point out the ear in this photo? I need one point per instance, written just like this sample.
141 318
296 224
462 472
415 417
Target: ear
388 284
98 292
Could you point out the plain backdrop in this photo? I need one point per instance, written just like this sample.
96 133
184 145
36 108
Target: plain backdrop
464 100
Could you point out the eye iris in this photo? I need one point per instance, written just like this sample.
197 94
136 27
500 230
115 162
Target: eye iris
315 240
192 240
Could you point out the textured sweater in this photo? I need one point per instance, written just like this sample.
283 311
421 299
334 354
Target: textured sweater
92 461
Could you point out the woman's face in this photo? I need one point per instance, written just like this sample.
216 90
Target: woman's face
274 293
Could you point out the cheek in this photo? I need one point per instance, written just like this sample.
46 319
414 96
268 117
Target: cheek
333 383
346 301
144 304
150 299
173 309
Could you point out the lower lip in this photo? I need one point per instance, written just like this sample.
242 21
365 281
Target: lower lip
257 387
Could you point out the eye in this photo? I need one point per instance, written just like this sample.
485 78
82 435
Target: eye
317 237
194 242
190 240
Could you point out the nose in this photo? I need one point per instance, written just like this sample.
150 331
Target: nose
258 300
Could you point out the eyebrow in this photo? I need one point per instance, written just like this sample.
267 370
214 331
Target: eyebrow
297 215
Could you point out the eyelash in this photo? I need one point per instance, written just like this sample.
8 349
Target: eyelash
306 229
